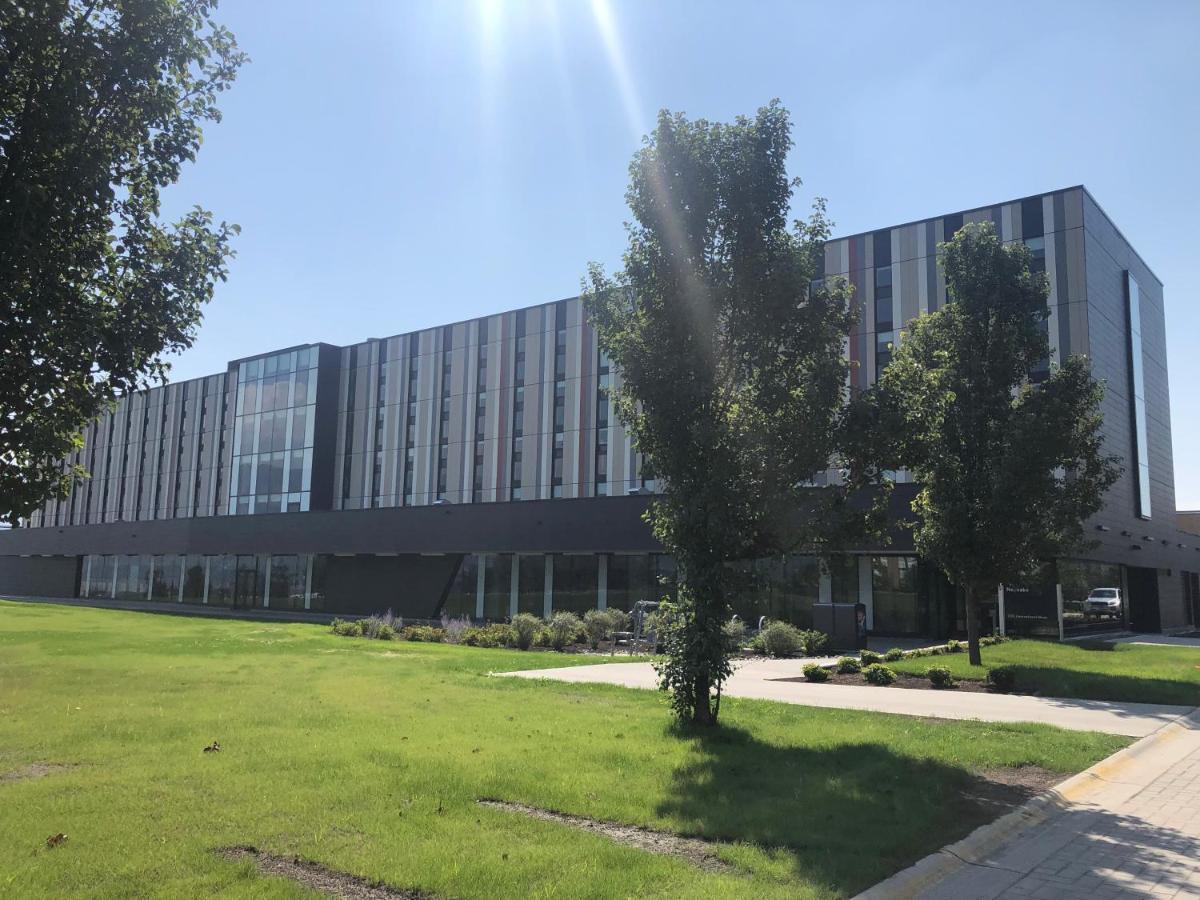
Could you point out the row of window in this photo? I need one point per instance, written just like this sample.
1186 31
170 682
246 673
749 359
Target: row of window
496 586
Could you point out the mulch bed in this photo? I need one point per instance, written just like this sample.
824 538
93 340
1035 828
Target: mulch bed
903 680
694 850
317 877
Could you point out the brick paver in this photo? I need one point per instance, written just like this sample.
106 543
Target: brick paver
1136 833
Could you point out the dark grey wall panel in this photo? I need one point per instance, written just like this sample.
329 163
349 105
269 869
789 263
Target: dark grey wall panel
39 576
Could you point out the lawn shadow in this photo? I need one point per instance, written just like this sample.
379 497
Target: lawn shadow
849 815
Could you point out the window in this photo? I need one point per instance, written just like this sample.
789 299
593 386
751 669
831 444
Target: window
1137 392
272 431
884 347
883 299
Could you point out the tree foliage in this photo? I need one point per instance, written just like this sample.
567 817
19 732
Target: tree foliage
732 371
1008 469
101 103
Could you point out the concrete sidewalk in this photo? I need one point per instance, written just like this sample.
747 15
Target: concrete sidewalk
760 679
1127 827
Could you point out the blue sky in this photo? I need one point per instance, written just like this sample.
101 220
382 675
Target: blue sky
398 164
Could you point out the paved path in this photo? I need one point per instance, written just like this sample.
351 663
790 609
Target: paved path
1128 827
1159 640
760 679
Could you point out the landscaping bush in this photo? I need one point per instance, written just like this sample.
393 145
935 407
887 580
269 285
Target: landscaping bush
385 632
543 637
879 674
621 620
813 642
424 633
870 657
525 627
953 646
735 634
780 639
992 640
346 629
849 665
599 625
940 677
1003 678
454 628
816 674
497 634
894 655
564 629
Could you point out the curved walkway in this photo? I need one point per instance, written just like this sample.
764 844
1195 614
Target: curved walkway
760 679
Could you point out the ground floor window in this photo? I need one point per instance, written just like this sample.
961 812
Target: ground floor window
165 581
462 596
497 585
896 601
575 582
781 589
531 584
289 575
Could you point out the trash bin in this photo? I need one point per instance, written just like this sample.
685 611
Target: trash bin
844 623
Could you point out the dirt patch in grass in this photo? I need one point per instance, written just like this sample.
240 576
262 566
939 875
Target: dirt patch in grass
34 770
696 851
1012 786
317 877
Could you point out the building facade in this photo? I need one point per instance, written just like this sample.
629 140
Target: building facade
476 469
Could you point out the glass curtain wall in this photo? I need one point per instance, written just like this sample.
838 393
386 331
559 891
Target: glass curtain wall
575 582
497 586
288 575
780 589
894 589
193 579
531 584
460 600
165 587
273 433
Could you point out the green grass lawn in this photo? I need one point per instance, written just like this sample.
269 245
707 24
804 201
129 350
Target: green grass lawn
1149 674
368 757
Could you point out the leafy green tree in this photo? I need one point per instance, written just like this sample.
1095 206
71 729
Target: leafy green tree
1008 468
101 102
733 376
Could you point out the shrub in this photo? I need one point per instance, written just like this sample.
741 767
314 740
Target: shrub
525 627
940 677
425 633
621 620
346 629
598 626
386 632
735 634
543 636
993 639
879 674
953 646
497 634
894 655
454 628
814 642
849 665
1003 678
780 639
564 629
816 674
870 657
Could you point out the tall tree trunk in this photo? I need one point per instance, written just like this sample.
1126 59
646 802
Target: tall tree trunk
702 712
972 610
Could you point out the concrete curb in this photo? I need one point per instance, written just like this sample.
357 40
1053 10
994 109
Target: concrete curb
1116 772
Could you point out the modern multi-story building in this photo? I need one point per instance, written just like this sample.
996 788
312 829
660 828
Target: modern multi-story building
476 468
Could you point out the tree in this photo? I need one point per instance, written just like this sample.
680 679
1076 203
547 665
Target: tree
1008 468
101 102
733 376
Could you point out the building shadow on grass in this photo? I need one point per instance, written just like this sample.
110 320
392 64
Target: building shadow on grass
849 815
